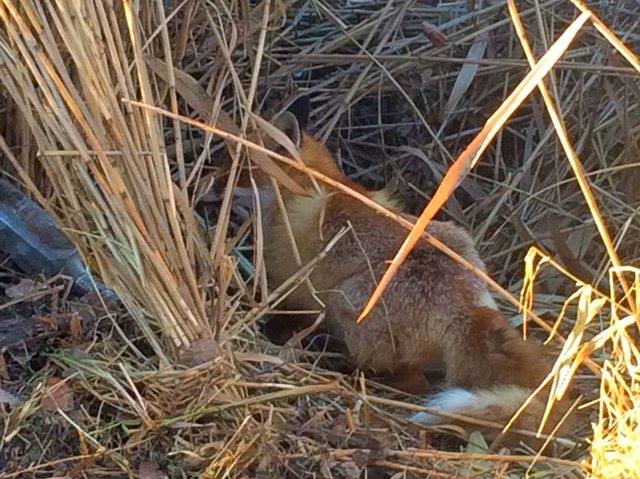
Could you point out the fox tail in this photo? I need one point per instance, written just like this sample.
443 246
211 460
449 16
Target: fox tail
498 404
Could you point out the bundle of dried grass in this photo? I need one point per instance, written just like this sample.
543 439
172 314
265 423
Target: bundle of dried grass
67 66
615 443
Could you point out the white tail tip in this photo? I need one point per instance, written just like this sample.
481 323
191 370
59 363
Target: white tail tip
488 404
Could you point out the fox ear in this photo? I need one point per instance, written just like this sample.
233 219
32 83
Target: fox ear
301 109
294 119
288 124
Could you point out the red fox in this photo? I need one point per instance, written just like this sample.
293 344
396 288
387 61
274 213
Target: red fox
435 310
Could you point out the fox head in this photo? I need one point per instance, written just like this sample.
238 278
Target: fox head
293 123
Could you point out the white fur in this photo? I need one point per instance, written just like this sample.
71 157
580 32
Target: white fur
451 401
267 197
302 208
488 404
383 197
244 197
487 300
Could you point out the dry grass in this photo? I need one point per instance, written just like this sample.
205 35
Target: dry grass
129 155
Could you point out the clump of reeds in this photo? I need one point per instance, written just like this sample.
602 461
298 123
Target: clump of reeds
67 67
615 445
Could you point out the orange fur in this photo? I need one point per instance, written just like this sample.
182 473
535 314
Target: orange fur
433 310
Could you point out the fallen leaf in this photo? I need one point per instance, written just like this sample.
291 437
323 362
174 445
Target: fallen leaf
76 327
467 73
24 288
4 373
259 358
199 352
148 470
477 445
351 470
434 34
52 320
86 313
58 395
325 469
361 459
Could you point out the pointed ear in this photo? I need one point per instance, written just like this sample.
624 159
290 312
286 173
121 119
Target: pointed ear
288 124
301 109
